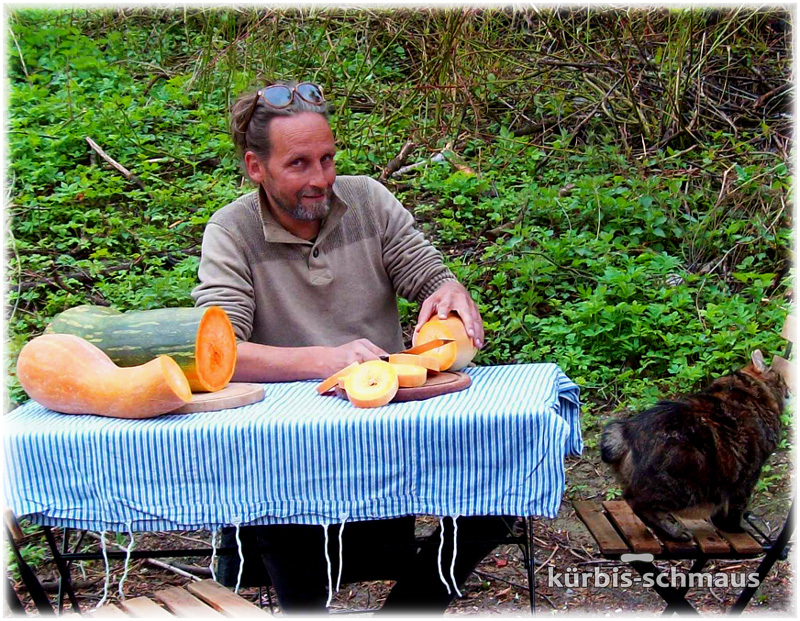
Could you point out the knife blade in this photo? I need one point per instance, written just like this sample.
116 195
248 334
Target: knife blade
419 349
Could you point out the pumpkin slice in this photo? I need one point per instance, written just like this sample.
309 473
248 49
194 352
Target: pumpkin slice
453 356
331 382
429 362
410 375
68 374
200 340
372 384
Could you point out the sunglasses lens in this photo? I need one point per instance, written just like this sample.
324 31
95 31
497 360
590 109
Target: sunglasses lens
310 92
278 96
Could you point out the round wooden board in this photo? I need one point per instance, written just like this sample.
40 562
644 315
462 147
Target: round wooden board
437 384
234 395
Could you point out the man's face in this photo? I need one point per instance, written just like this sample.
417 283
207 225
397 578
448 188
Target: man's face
299 174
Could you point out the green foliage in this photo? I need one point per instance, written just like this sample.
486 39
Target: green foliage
34 552
640 273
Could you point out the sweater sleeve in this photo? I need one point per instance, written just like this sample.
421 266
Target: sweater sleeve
225 279
415 267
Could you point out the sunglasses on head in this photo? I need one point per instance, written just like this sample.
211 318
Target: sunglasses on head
281 96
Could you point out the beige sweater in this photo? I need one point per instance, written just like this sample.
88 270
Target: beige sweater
284 291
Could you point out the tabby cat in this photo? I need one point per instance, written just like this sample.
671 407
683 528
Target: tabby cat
702 452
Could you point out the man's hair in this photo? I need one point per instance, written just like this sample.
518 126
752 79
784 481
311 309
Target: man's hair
255 136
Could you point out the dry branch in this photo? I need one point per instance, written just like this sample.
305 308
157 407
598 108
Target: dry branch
150 561
114 164
395 164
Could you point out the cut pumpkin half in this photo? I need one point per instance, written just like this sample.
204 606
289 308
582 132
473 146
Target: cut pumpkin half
453 356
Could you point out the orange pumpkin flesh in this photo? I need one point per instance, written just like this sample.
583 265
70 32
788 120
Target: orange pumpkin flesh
372 384
215 352
68 374
429 362
453 356
410 375
331 382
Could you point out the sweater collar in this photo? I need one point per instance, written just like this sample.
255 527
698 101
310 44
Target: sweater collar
275 233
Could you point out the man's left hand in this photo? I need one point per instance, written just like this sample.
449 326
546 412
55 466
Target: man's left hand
453 296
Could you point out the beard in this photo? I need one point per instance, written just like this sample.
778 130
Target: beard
297 210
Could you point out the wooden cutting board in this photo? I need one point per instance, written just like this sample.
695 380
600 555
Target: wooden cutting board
234 395
437 384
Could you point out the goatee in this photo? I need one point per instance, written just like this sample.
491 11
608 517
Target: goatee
298 211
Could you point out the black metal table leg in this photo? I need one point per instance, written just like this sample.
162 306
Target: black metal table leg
39 597
675 598
774 552
525 543
697 567
63 568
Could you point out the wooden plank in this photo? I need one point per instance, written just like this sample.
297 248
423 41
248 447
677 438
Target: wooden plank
742 543
181 603
632 528
789 331
224 600
591 513
143 608
706 536
109 611
679 549
786 370
13 525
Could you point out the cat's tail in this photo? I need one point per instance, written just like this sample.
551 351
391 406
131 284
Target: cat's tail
613 444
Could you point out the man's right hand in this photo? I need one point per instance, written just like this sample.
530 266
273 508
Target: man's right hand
360 350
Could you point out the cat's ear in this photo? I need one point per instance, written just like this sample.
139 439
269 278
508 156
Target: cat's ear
757 358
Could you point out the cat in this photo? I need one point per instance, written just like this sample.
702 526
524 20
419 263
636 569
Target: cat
702 452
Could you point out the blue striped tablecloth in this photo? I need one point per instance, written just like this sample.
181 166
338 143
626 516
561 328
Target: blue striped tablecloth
496 448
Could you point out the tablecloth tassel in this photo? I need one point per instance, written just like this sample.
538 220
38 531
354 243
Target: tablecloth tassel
341 553
213 554
330 571
127 561
236 523
455 551
108 570
439 562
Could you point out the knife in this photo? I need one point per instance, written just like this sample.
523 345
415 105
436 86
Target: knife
419 349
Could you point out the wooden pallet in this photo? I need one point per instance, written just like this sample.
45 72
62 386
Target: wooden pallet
618 530
205 599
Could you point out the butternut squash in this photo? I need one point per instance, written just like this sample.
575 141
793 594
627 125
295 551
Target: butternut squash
372 384
410 375
331 382
453 356
68 374
200 340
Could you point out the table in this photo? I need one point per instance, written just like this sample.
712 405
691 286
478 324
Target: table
496 448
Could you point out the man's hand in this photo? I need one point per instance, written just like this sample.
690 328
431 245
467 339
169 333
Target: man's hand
360 350
453 296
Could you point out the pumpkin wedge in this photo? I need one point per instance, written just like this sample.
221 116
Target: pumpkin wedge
372 384
200 340
68 374
429 362
331 382
453 356
410 375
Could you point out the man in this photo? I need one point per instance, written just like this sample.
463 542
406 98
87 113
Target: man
308 269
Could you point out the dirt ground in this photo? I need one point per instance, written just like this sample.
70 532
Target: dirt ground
498 584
